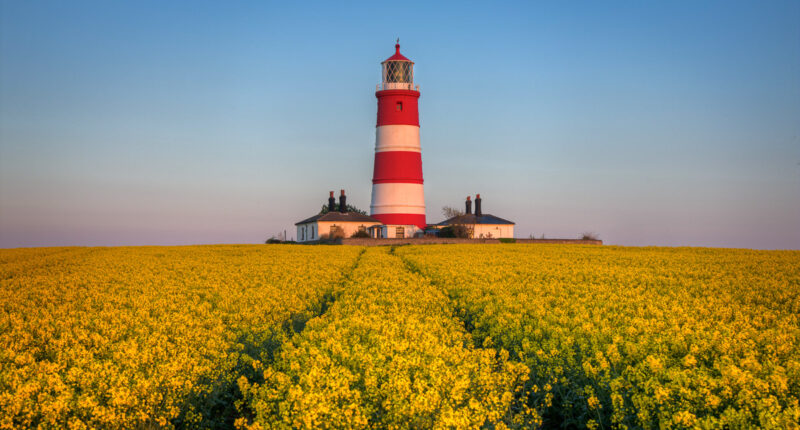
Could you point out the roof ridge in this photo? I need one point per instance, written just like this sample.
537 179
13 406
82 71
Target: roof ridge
339 216
475 219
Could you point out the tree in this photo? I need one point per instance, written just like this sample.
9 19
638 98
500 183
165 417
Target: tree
451 212
350 208
590 236
279 238
454 230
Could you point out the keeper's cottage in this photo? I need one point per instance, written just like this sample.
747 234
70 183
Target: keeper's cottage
336 222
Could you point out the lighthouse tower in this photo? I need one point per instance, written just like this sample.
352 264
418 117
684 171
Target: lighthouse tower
398 200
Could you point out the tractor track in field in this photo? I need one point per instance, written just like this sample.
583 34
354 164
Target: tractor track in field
465 318
296 322
226 399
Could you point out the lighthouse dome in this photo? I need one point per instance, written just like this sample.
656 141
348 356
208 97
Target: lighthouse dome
398 71
397 55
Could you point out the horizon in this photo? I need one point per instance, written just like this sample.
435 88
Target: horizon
201 124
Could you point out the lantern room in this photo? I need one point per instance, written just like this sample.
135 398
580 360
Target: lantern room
398 72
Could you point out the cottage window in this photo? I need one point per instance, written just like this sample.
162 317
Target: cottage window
400 232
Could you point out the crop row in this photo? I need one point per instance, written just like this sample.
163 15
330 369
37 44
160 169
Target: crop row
458 336
636 337
389 353
147 337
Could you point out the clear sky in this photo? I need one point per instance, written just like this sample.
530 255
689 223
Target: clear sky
151 122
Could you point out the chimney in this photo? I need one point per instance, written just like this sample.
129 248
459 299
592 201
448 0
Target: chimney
331 203
469 205
342 202
478 205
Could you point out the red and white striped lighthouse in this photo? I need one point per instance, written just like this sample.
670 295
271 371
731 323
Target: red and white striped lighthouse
397 194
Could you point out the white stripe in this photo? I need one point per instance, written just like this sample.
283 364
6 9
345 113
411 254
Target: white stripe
400 198
397 209
397 138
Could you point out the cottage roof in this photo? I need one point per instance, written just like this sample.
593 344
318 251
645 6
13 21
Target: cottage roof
474 219
336 216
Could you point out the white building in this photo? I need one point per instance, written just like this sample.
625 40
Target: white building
395 231
337 222
333 224
481 226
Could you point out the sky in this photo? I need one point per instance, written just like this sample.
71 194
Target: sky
171 123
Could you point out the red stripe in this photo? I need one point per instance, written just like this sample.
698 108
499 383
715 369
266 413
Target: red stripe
401 219
397 166
397 107
398 181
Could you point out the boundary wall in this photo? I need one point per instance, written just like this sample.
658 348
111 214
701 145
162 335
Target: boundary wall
443 240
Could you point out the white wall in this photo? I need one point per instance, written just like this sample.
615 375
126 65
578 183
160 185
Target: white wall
348 227
495 230
390 231
307 232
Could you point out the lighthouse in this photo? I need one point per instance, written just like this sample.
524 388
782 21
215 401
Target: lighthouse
398 199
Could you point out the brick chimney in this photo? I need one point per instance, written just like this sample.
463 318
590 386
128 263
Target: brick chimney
469 205
342 202
331 203
478 205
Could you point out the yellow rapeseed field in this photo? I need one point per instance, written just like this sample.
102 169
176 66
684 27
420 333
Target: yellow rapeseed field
147 337
437 336
636 337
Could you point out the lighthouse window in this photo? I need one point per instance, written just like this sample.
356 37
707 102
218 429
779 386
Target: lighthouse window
398 71
399 106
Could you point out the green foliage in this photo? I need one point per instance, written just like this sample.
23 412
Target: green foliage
455 230
350 208
360 234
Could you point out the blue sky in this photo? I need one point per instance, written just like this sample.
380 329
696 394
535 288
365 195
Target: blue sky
674 123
